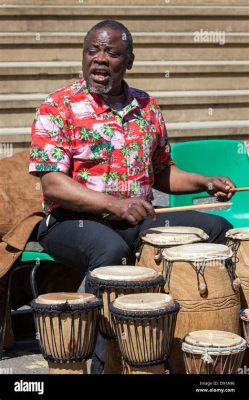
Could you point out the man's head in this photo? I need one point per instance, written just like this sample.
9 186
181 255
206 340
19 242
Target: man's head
107 53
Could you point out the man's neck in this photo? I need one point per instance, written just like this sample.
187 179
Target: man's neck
117 102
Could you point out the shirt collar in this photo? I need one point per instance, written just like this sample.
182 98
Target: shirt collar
99 105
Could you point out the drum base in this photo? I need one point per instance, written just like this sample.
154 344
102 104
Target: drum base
113 358
68 368
158 369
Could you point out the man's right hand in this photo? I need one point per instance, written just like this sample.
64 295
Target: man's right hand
133 210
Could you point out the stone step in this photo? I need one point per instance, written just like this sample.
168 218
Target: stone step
170 46
132 2
81 17
19 110
27 77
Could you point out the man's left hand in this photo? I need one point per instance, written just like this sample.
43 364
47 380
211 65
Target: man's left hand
219 186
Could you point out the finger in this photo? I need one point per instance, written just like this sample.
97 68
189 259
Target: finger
228 183
140 210
133 212
150 209
131 219
220 187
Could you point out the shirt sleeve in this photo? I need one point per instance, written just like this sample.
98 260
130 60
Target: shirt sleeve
50 142
161 156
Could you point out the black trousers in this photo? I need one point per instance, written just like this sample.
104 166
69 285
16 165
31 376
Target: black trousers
86 242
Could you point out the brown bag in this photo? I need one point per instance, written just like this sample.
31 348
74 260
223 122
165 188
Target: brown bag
20 192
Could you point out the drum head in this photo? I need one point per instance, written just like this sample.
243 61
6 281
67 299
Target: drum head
238 233
198 252
170 235
144 302
65 297
212 338
124 273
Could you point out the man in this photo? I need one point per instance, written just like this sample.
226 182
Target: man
99 147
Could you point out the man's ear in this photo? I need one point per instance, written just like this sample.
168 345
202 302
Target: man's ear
130 61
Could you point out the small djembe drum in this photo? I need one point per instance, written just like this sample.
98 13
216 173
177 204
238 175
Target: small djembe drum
145 325
109 283
201 278
155 240
67 325
238 240
213 352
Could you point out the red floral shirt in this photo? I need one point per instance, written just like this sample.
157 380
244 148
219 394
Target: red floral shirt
110 151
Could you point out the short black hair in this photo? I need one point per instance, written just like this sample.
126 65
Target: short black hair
115 26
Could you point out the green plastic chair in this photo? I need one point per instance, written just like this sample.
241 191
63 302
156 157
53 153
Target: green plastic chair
216 157
32 259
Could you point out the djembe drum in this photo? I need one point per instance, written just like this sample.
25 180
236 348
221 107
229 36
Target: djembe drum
145 325
109 283
238 240
213 352
67 327
201 278
155 240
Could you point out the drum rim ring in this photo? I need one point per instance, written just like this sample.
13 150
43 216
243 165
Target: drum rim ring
143 314
102 284
66 307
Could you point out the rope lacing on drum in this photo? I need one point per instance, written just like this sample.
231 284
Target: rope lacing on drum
206 357
167 269
199 268
234 245
231 267
138 248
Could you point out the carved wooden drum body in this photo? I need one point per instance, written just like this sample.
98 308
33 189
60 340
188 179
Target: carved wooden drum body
238 240
201 278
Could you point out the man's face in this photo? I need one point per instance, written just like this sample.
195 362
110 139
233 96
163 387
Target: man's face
105 60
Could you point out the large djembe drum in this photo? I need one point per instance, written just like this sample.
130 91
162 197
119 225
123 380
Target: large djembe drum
109 283
213 352
67 325
145 325
201 278
238 240
153 241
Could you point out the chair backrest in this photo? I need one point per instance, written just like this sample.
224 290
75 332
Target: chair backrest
219 157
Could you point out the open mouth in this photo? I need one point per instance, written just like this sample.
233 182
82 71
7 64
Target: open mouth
100 75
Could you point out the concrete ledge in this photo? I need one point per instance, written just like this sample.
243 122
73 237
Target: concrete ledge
50 38
140 67
133 2
121 10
